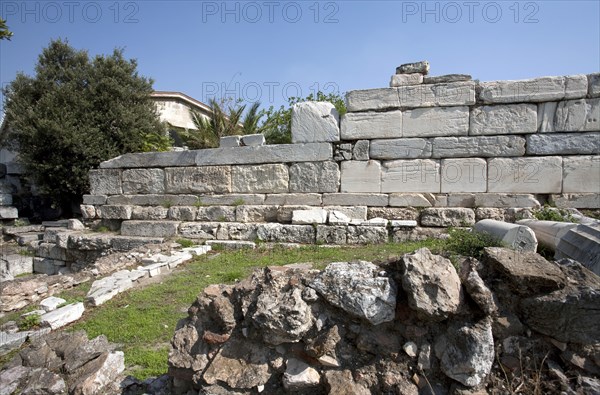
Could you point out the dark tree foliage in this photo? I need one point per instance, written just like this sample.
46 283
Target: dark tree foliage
5 34
75 113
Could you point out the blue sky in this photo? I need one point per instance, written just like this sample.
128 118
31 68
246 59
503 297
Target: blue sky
269 50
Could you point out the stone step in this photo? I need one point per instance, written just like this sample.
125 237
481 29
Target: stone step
232 244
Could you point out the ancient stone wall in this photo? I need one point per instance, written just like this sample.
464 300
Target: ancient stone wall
428 151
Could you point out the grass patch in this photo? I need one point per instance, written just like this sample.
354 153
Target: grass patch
469 243
185 243
548 213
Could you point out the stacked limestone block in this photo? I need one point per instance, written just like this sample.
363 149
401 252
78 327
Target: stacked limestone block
7 211
439 151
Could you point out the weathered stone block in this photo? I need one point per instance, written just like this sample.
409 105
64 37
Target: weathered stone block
216 214
464 175
369 125
207 179
51 251
143 181
281 153
506 119
5 199
304 234
458 199
439 79
429 95
367 235
483 146
149 213
199 230
314 177
151 159
534 90
525 175
360 151
392 213
260 179
47 266
437 121
421 67
576 200
153 200
545 117
237 231
231 199
372 99
183 213
308 217
314 122
105 182
411 200
353 213
331 235
284 213
444 217
581 174
252 140
94 199
563 143
229 141
256 213
149 228
417 175
114 212
577 115
355 199
8 212
594 85
287 199
361 176
400 148
406 79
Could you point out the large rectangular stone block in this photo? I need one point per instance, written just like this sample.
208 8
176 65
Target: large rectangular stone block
372 99
563 144
216 179
314 122
282 153
577 115
429 95
576 200
149 213
216 214
151 159
314 177
105 182
534 90
412 200
581 174
260 179
503 119
256 214
437 121
149 228
594 85
114 212
277 233
464 175
417 175
371 125
142 181
94 199
504 200
199 230
481 146
231 199
525 175
410 148
287 199
153 200
355 199
361 176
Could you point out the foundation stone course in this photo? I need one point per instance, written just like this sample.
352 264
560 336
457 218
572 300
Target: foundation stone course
260 179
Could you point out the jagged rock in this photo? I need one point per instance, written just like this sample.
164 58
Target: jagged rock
51 303
299 376
31 381
98 374
63 316
466 352
358 289
341 382
476 288
421 67
431 284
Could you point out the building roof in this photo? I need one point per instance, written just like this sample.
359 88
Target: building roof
166 95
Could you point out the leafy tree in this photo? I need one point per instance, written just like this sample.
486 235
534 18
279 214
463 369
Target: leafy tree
277 127
5 34
75 113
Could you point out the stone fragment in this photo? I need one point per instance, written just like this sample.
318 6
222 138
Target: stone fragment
431 284
406 79
369 125
355 199
312 216
467 352
149 228
16 264
256 213
299 376
504 119
314 177
367 235
206 179
411 349
563 144
436 121
143 181
534 90
581 174
545 117
505 200
444 217
527 273
105 182
229 141
484 146
424 361
411 200
577 115
51 303
441 79
371 99
403 223
358 289
62 316
400 148
421 67
232 244
252 140
99 373
576 200
8 212
273 178
361 176
341 382
525 175
360 151
464 175
314 122
280 153
517 237
581 243
416 175
594 84
338 218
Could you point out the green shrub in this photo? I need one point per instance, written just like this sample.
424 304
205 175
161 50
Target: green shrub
548 213
29 321
469 243
185 243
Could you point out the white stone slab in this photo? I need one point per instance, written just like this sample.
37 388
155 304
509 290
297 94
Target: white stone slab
361 176
307 217
370 125
534 90
446 94
338 218
411 200
416 175
406 79
464 175
503 119
229 141
252 140
314 122
406 223
63 316
51 303
581 174
594 84
281 153
563 143
525 175
409 148
577 115
479 146
437 121
372 99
